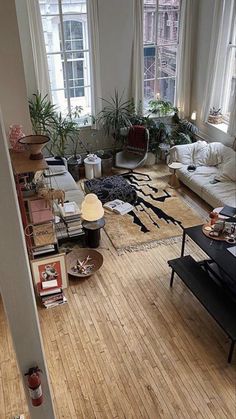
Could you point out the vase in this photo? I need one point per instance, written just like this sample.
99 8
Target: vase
15 133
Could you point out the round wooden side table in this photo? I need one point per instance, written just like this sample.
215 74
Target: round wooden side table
174 181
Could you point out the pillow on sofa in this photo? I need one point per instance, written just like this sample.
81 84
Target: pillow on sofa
228 170
200 151
182 153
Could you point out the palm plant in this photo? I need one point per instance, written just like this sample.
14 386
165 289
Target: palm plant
42 113
115 115
64 129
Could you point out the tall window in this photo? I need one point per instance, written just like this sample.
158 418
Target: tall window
65 29
161 23
229 88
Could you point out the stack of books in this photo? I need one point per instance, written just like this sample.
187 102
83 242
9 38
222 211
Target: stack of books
38 251
71 215
50 294
61 230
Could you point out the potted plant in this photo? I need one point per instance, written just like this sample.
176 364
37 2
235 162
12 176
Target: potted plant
42 114
161 107
106 161
115 116
215 116
183 132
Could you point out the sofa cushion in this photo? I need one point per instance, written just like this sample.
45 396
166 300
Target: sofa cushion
196 180
228 169
182 154
220 194
64 181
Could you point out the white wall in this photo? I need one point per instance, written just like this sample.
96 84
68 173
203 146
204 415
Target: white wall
116 33
13 96
203 39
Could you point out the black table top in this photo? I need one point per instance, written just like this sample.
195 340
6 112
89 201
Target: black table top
215 249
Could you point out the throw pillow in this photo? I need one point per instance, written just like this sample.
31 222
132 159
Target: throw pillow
228 170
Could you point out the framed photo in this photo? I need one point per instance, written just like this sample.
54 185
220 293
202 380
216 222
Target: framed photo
50 272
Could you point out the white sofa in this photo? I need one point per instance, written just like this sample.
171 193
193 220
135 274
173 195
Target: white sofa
213 161
60 178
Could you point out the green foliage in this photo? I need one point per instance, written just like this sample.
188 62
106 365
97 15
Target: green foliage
115 115
183 132
42 114
161 107
63 129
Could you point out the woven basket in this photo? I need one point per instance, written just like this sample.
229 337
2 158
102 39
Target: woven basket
215 119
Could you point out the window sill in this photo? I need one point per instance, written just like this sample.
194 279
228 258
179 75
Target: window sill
222 127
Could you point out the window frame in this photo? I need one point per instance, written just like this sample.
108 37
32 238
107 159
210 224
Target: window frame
62 17
157 47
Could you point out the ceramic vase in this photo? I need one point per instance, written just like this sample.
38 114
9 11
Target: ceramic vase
15 133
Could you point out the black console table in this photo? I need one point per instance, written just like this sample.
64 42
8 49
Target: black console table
212 294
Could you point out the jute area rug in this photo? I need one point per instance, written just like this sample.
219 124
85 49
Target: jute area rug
158 216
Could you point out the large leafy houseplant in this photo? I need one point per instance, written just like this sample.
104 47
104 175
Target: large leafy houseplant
184 131
64 130
161 107
42 114
115 115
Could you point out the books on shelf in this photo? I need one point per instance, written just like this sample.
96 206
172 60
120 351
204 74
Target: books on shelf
39 212
118 206
43 249
44 234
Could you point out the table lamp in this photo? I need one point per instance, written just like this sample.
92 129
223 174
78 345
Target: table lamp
92 213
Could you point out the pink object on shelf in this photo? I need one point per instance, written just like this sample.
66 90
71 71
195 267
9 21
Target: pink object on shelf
15 133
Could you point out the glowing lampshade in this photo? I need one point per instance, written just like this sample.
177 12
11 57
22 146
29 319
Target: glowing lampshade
194 116
91 208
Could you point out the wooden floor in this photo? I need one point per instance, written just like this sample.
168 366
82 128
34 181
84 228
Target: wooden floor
126 346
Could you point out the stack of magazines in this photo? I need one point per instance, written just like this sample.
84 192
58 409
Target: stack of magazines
50 294
71 215
118 206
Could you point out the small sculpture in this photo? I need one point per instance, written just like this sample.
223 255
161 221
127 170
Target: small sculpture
83 267
51 194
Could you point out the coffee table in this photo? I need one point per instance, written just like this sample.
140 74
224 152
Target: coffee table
216 250
212 281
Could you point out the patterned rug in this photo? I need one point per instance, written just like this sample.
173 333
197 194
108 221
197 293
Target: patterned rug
158 217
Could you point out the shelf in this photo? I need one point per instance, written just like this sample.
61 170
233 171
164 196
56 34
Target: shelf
21 163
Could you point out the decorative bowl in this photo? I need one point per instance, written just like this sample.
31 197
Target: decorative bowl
81 254
35 144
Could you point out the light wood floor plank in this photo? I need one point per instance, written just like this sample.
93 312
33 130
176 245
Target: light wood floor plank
128 346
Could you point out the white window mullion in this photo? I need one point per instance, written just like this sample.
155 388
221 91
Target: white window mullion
64 55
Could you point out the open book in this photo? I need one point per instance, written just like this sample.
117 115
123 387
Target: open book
118 206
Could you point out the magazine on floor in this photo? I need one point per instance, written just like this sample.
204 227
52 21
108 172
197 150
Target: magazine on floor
118 206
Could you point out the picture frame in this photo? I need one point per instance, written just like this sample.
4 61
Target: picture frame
50 268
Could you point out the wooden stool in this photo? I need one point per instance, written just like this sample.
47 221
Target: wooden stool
174 181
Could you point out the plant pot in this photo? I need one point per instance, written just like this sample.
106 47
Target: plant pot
107 163
35 144
81 171
215 119
73 167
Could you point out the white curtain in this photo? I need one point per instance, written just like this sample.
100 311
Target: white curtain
93 25
136 91
232 120
184 63
38 47
214 57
